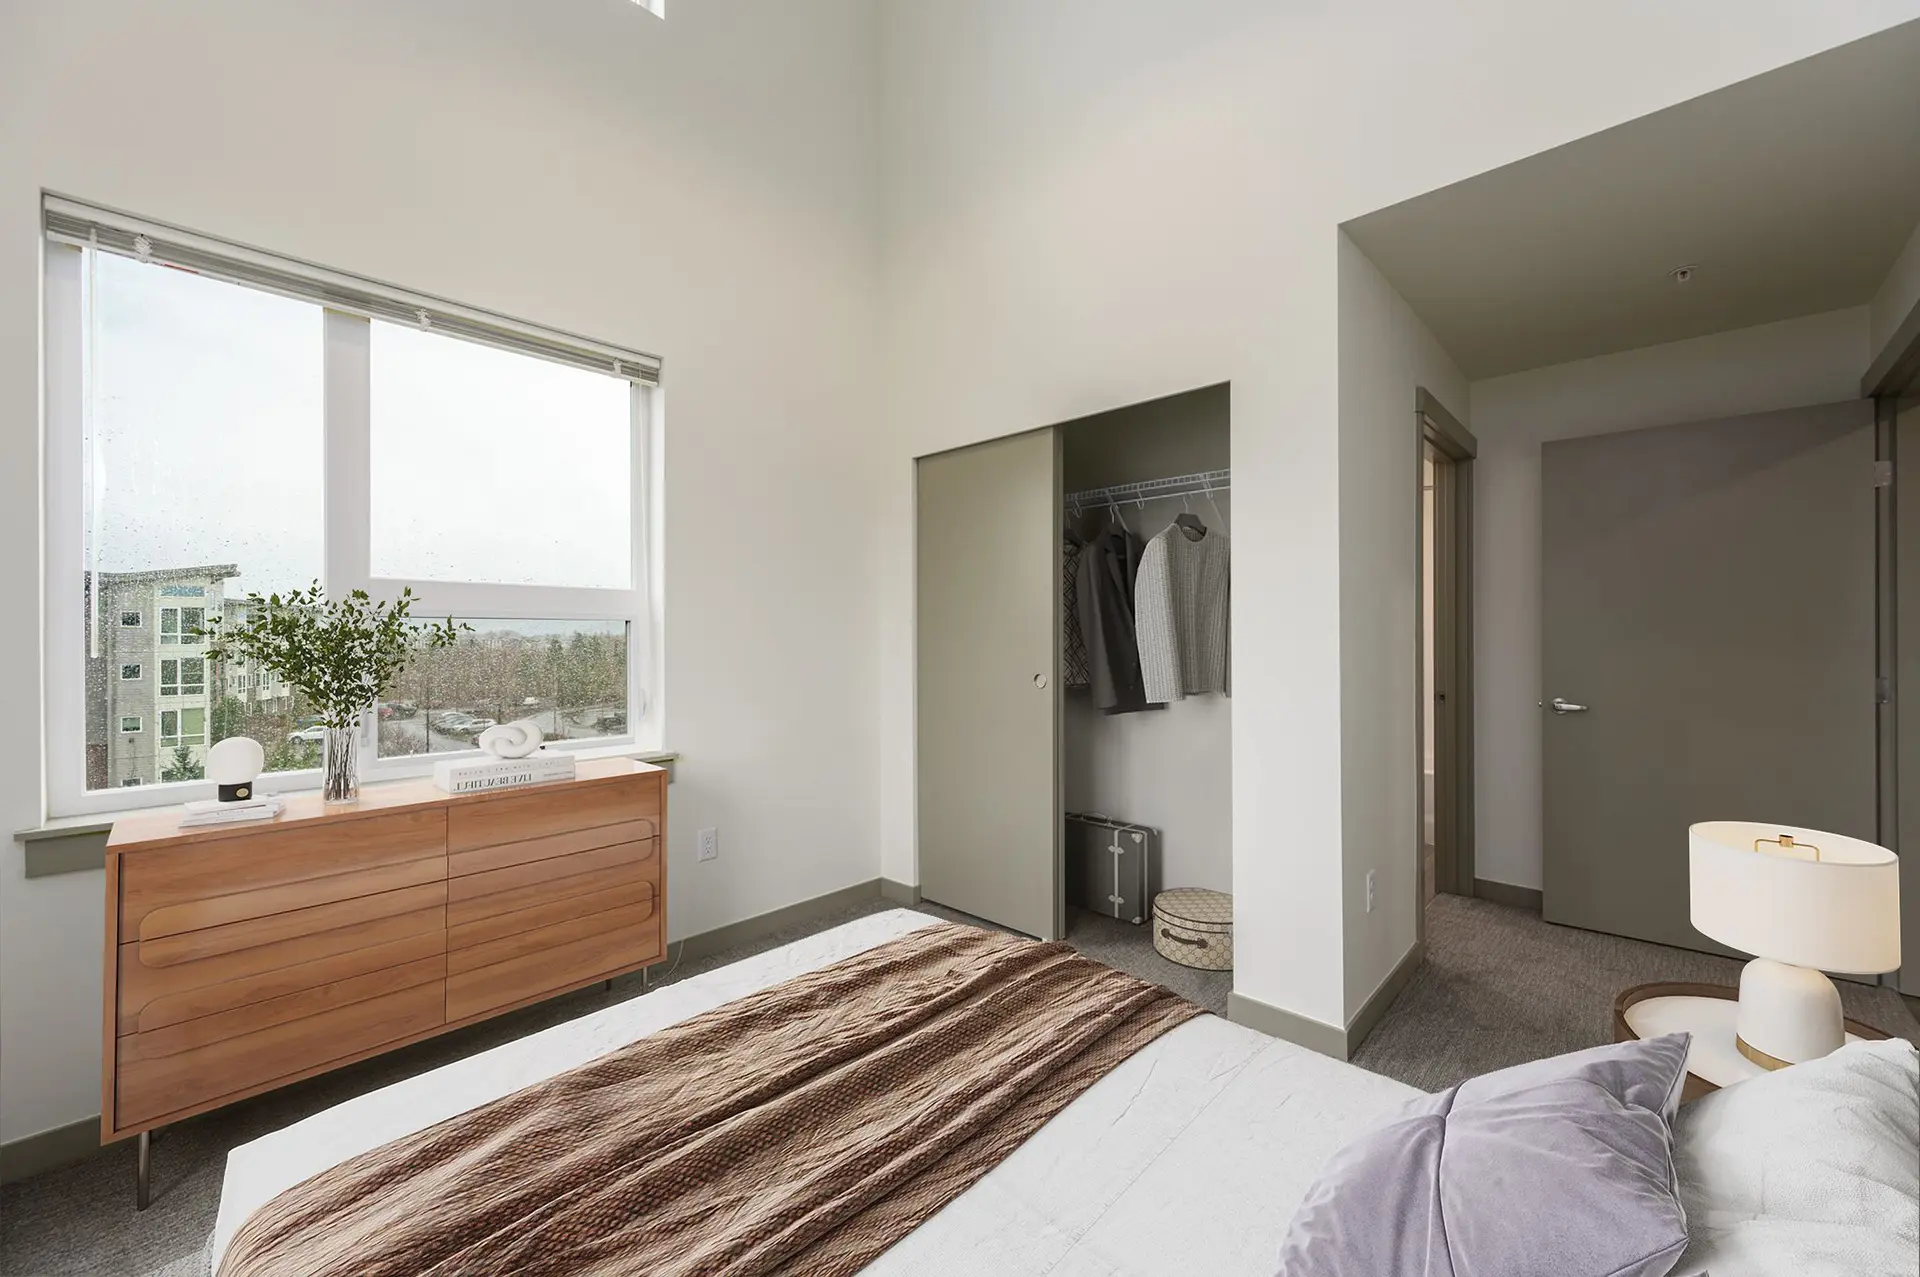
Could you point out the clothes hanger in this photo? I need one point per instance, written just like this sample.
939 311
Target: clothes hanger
1189 521
1113 508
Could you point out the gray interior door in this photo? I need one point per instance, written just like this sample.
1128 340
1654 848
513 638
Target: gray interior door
1708 595
988 706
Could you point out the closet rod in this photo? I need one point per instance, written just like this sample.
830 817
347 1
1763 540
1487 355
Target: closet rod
1182 485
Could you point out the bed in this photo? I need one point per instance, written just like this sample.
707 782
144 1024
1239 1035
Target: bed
1189 1156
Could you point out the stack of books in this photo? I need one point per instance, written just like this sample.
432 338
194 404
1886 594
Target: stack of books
211 811
477 775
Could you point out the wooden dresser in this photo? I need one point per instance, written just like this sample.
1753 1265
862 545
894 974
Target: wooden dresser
243 958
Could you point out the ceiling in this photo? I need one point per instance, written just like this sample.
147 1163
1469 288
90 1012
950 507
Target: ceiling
1790 193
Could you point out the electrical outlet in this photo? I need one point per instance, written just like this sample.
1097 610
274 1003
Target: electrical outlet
1369 876
710 850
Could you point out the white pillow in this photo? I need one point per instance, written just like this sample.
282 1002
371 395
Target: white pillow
1811 1170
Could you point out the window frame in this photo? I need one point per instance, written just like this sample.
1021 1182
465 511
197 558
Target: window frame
138 622
139 669
346 548
348 551
139 724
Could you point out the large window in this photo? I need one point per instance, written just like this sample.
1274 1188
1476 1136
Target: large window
222 423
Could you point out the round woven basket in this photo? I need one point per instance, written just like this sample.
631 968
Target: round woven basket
1194 927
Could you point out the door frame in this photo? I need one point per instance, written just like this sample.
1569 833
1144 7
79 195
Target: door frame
1453 769
1893 377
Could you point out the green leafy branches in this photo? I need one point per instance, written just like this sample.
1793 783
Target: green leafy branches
340 653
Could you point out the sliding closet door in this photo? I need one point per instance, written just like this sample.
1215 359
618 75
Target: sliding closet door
988 709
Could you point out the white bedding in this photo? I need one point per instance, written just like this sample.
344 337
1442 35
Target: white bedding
1188 1158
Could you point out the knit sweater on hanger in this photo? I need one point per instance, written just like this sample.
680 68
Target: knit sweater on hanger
1180 615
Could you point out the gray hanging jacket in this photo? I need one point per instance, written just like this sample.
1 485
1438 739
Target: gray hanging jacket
1108 564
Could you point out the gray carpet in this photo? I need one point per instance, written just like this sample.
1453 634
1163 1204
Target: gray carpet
1499 987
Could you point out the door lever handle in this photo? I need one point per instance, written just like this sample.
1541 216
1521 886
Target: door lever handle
1567 707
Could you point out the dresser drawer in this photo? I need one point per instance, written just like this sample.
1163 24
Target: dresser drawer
287 898
544 936
552 811
529 976
554 869
528 851
155 997
149 1089
577 877
618 892
274 857
252 933
153 1043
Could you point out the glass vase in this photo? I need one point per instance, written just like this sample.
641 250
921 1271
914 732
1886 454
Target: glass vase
340 765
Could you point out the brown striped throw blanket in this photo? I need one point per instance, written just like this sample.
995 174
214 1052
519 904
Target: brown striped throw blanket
800 1130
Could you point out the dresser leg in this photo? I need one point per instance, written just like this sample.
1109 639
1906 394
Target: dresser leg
140 1183
646 978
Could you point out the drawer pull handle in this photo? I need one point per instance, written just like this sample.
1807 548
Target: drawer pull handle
1195 943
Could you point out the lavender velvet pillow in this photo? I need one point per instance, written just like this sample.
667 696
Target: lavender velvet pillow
1560 1167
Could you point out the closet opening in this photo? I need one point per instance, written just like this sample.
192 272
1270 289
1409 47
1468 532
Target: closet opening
1147 720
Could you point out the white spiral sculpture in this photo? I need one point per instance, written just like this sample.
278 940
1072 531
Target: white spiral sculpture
512 740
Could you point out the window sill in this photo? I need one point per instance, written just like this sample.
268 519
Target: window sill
49 848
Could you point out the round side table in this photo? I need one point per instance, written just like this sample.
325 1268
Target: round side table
1706 1011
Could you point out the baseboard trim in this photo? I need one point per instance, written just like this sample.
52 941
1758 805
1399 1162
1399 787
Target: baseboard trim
1368 1016
1315 1035
49 1150
760 926
1327 1039
900 893
1505 893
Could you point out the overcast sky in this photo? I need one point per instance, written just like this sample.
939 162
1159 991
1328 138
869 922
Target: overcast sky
207 445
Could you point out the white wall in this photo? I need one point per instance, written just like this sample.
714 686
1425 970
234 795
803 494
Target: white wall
1896 297
1795 363
704 187
1092 202
1171 769
1386 353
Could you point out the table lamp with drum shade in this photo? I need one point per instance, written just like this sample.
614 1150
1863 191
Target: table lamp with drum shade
1803 902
